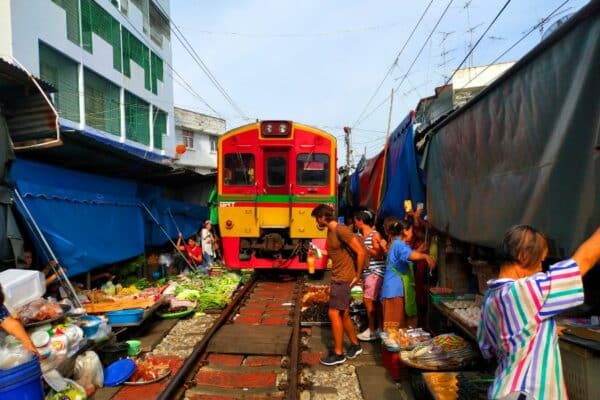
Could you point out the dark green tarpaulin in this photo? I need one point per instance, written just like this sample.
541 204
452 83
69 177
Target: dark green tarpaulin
526 150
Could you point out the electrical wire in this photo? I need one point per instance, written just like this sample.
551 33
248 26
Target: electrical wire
525 35
478 41
192 52
296 35
411 65
187 85
391 68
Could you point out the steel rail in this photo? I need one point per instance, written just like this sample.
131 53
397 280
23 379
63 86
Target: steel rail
176 385
295 347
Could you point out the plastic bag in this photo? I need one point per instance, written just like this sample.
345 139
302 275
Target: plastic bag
104 329
73 392
88 369
13 357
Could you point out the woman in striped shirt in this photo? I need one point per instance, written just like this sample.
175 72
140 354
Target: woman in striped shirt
517 325
372 276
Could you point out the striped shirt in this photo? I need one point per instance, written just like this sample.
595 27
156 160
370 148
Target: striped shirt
375 266
517 327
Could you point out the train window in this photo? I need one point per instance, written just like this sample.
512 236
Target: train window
312 169
276 171
238 169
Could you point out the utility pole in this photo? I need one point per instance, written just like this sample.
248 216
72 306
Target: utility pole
390 113
347 132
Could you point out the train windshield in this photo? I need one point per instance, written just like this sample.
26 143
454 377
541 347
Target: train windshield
238 169
276 170
312 169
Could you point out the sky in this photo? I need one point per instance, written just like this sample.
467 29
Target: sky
320 62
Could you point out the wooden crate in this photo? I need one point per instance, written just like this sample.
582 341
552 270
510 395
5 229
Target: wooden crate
98 308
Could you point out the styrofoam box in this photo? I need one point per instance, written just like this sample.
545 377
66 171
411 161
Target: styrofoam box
21 286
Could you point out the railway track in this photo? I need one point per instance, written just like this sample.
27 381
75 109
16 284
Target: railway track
251 351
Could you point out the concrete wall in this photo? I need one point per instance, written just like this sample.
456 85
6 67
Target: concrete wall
201 157
478 76
43 20
5 30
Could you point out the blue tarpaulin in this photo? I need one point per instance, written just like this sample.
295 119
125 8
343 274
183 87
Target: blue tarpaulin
91 220
402 179
174 215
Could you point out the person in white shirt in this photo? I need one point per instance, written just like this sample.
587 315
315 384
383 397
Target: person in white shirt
207 240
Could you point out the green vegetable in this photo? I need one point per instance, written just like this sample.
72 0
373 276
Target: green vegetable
208 292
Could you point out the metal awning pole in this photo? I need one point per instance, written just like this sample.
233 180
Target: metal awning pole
173 219
58 268
167 235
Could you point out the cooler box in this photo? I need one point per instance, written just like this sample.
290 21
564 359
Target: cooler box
21 286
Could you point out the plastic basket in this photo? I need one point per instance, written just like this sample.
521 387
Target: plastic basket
439 298
581 369
132 316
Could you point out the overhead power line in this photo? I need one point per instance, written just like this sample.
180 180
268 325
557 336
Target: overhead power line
411 65
525 35
478 41
192 52
390 69
288 35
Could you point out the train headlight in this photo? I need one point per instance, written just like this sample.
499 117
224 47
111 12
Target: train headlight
276 128
228 224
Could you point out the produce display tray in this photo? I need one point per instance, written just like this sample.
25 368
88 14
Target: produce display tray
179 314
163 376
99 308
447 367
60 318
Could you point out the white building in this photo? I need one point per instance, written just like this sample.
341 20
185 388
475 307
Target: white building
199 133
465 84
109 60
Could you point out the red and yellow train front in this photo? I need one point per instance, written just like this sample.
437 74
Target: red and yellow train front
271 174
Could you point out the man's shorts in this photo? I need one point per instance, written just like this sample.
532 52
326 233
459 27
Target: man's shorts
339 295
372 287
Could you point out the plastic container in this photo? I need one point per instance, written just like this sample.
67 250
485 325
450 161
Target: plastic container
23 382
22 286
132 316
134 347
90 325
118 372
110 352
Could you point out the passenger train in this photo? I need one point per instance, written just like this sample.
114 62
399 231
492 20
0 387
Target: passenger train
271 174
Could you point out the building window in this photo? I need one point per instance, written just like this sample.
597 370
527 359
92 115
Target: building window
62 72
213 144
188 138
159 25
95 19
71 8
137 119
160 127
102 103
